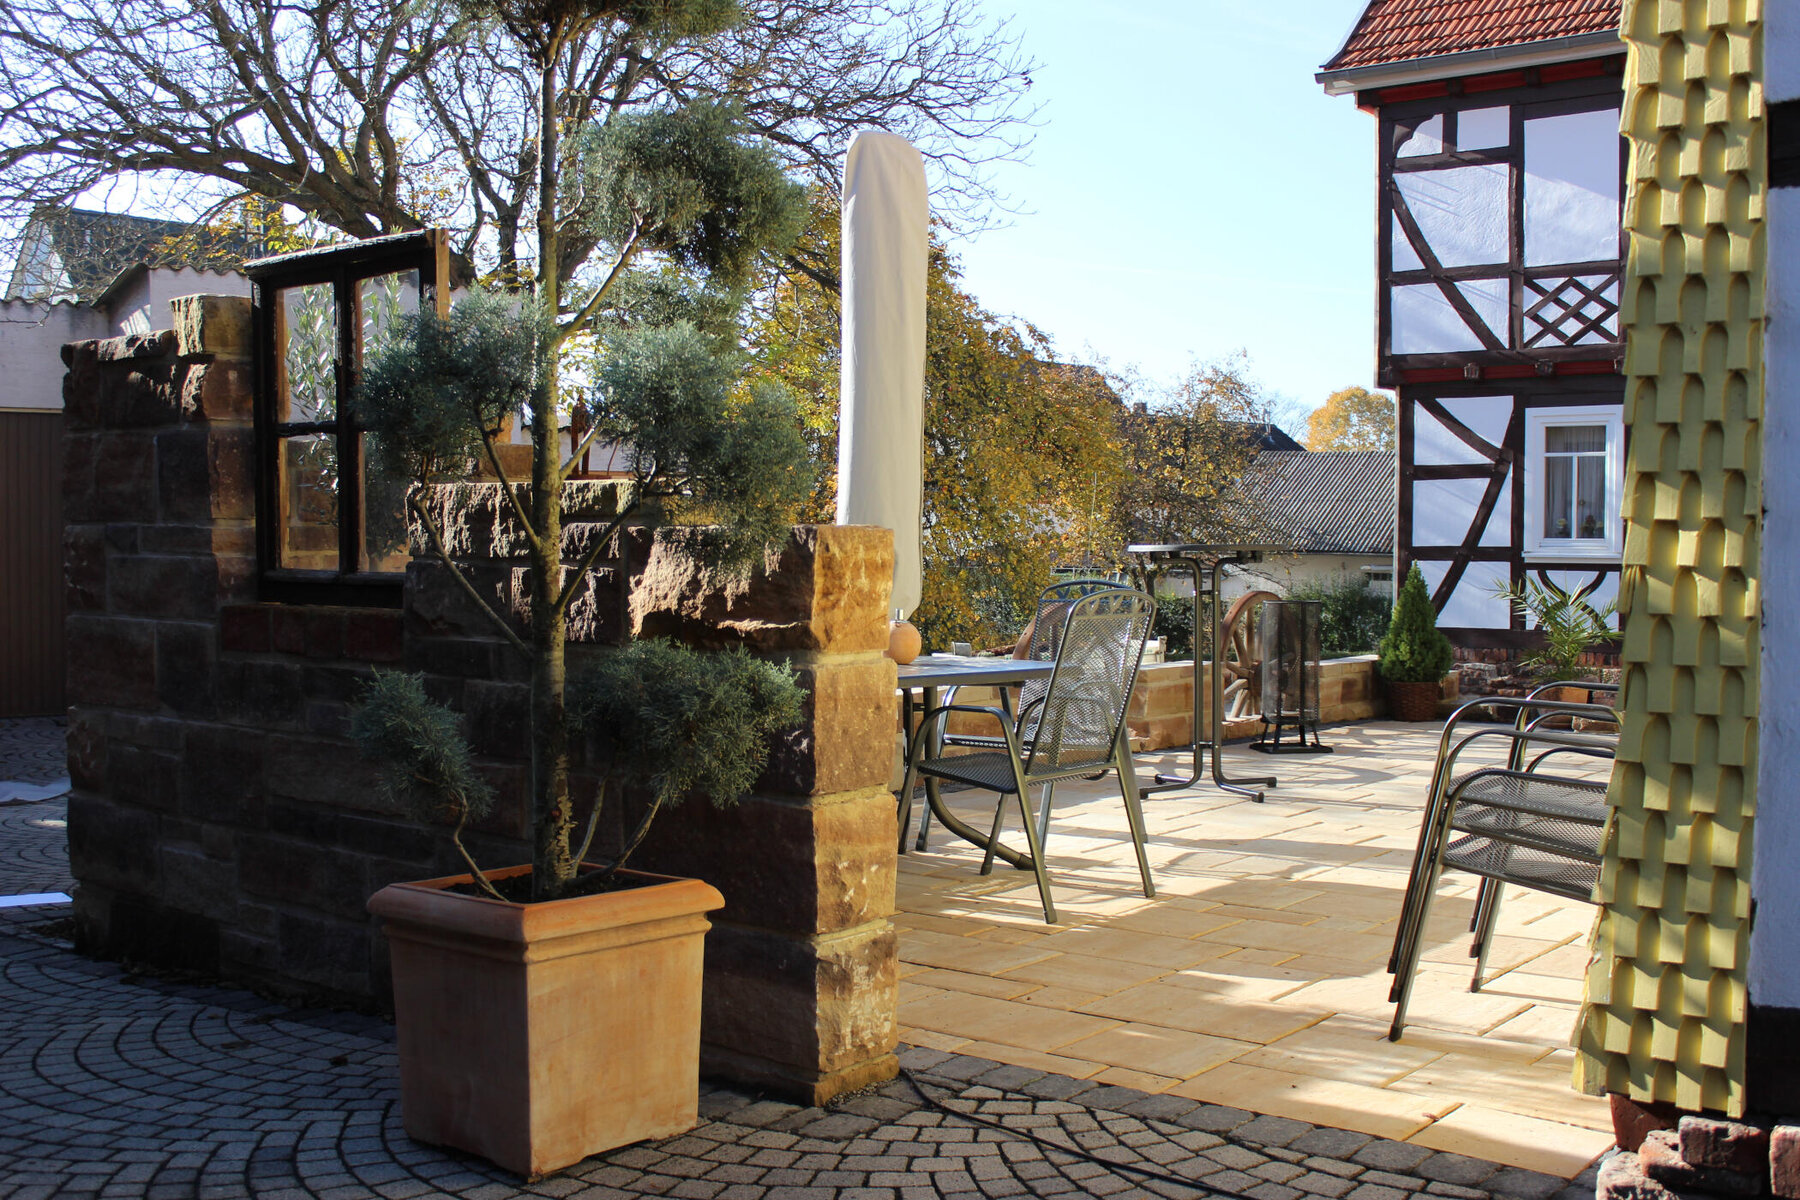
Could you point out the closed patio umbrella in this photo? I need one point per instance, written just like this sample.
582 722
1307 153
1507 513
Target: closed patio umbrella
881 421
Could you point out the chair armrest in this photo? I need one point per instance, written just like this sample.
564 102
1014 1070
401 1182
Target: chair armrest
1005 722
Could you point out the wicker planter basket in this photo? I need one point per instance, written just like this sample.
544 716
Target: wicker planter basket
1413 701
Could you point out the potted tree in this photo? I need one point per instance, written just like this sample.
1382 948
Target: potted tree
1571 628
1414 653
550 1010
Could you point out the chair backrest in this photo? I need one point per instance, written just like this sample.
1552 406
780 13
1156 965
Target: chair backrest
1085 701
1044 637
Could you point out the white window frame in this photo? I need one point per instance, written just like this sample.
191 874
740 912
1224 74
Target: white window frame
1612 546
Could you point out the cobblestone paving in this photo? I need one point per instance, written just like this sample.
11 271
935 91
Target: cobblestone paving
120 1084
31 749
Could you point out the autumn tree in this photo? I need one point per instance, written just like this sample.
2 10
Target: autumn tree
1022 457
1352 418
1188 454
379 116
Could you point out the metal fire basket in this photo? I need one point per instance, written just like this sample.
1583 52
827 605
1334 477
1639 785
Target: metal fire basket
1290 677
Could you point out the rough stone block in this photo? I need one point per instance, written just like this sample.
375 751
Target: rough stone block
334 955
87 746
222 776
84 568
244 628
207 324
801 868
108 477
322 771
175 586
1725 1145
497 718
230 539
206 472
1623 1177
320 878
264 694
324 632
185 660
111 661
219 391
107 844
844 741
1660 1158
1784 1160
827 590
374 635
198 882
807 1019
143 778
437 606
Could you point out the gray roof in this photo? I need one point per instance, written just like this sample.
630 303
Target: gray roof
1328 501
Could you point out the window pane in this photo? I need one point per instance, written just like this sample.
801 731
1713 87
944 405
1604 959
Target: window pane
1427 138
309 502
1575 439
306 353
1462 211
384 299
1558 484
1572 188
384 514
1483 128
1590 496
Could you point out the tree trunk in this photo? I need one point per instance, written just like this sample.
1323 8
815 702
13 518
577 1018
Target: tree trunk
553 821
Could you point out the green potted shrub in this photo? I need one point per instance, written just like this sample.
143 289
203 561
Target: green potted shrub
548 1011
1414 653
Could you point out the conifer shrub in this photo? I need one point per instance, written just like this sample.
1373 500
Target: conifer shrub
1414 650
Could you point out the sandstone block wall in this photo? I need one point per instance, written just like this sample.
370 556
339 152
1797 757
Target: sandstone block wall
221 820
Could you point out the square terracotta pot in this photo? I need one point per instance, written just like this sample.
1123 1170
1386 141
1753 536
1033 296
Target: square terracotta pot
535 1035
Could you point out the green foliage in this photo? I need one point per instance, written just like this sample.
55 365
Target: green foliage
678 723
1175 621
1571 627
425 763
440 385
688 183
1352 617
1414 650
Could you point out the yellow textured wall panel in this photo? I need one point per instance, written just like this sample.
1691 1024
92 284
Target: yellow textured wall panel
1666 989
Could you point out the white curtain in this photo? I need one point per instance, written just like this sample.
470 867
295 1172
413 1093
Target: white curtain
881 429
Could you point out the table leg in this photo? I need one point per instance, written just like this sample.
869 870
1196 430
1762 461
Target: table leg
1197 746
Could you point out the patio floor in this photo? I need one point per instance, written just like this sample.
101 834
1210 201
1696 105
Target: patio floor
1257 976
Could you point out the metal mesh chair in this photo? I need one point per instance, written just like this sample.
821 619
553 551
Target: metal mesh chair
1074 727
1521 823
1045 637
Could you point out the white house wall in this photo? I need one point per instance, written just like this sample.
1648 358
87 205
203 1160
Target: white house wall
1444 509
1485 416
31 340
1474 603
1774 883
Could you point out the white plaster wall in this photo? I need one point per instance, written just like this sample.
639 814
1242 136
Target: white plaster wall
31 340
1781 51
145 305
1282 574
1774 883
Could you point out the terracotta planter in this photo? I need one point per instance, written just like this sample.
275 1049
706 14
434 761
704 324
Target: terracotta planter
1413 701
536 1035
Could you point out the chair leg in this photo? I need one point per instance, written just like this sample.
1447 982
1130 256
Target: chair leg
987 859
1044 813
1432 831
1409 964
1484 933
1134 813
1481 899
1035 844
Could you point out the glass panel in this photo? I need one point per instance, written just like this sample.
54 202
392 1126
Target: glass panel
384 299
1404 257
1427 138
384 514
1484 128
1575 439
1572 188
1590 496
306 353
1557 486
309 502
1461 211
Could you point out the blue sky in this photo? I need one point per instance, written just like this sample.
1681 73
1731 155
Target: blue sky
1192 192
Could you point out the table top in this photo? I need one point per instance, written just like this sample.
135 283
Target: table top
952 670
1215 550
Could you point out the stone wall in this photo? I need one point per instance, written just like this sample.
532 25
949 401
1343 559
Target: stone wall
222 821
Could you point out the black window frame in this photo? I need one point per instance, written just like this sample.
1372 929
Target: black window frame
344 268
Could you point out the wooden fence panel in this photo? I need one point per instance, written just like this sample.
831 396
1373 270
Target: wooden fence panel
31 564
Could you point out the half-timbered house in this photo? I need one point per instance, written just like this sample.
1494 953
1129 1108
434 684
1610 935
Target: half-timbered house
1499 171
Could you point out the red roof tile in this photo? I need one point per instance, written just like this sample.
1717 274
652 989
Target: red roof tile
1398 30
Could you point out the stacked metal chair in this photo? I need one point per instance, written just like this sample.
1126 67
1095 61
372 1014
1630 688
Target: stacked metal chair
1071 726
1522 823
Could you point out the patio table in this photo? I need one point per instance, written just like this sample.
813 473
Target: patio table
934 671
1206 563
